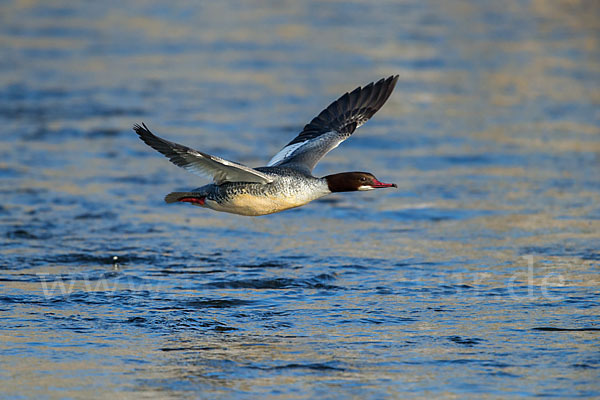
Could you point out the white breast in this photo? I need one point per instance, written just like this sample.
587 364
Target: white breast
246 204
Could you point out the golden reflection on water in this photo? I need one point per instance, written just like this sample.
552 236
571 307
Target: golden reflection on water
491 136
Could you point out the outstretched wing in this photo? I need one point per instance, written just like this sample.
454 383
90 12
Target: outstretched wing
334 125
201 163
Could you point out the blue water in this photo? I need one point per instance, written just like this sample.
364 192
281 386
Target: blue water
477 278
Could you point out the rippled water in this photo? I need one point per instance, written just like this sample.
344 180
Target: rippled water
477 278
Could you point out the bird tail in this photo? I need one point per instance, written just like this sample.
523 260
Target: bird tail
174 197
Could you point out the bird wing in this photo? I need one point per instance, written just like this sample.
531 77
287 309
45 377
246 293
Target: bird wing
201 163
334 125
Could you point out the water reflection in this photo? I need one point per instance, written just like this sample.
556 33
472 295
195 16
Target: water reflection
483 264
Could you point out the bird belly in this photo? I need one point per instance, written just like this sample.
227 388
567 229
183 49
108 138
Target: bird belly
253 205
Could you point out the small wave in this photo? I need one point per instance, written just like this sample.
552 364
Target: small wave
27 235
584 366
136 320
188 348
469 342
317 282
439 214
266 264
560 250
105 133
138 180
311 366
89 277
102 215
96 259
166 272
217 303
557 329
21 300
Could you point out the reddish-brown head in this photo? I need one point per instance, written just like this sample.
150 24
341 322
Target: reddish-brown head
353 181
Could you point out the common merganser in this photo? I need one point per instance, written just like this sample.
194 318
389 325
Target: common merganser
287 181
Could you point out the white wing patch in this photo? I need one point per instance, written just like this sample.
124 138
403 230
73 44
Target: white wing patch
222 170
285 153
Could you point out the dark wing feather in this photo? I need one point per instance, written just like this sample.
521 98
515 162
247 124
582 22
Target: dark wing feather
334 125
201 163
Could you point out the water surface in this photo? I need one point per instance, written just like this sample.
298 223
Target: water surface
477 278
